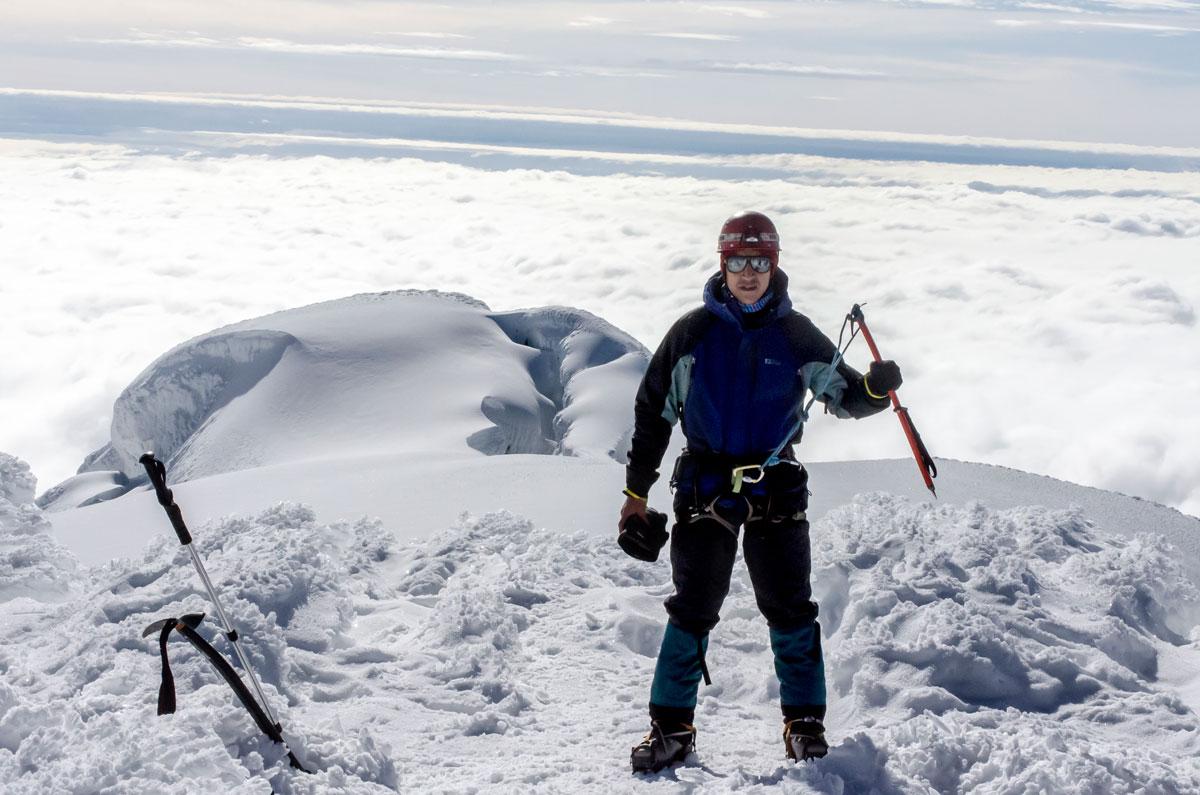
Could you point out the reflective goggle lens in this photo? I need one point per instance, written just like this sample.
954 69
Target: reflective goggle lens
738 264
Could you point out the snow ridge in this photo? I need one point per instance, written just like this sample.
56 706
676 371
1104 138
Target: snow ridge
425 372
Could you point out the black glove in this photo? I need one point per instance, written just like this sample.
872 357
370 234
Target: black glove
643 540
883 377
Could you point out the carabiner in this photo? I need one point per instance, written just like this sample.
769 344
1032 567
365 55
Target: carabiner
740 476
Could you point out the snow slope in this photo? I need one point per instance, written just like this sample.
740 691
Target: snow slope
1021 635
416 496
380 405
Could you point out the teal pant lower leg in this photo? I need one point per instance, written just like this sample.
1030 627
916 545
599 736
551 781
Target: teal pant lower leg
677 675
801 670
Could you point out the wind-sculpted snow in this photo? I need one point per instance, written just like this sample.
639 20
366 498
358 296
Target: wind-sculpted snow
585 367
17 483
82 490
403 371
32 563
968 650
1011 641
171 400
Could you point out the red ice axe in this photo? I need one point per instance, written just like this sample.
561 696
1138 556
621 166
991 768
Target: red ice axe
924 459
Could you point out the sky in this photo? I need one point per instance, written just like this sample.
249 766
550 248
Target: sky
1121 71
1013 188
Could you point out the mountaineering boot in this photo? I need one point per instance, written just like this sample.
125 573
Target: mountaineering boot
804 738
665 744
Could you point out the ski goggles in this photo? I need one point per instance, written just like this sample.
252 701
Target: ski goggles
737 264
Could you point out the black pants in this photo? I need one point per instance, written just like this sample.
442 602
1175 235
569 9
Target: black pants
708 519
777 555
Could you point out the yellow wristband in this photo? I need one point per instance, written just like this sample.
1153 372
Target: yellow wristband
867 387
629 493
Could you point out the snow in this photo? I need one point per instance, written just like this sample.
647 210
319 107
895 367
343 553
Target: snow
427 617
407 498
77 706
82 490
968 650
33 564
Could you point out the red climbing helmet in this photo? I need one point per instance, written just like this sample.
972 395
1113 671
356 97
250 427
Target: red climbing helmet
749 230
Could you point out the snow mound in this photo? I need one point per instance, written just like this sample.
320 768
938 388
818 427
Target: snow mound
1023 608
374 374
32 563
1010 651
968 650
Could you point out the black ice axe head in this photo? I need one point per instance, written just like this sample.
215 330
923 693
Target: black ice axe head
157 472
191 619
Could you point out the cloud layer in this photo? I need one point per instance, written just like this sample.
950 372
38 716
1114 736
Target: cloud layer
285 46
181 121
1045 318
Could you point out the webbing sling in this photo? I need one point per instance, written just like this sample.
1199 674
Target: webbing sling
186 626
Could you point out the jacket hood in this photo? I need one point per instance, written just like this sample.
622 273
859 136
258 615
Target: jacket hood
719 301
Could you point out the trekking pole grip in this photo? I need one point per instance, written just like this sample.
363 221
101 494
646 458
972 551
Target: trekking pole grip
158 478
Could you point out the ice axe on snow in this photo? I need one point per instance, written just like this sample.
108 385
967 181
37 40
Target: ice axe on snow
924 459
259 708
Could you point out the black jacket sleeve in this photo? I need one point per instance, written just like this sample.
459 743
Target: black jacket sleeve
652 421
816 347
855 400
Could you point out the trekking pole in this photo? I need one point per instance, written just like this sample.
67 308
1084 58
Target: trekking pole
158 478
920 453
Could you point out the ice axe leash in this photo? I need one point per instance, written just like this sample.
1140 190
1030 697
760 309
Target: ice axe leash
924 460
743 474
186 626
259 709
